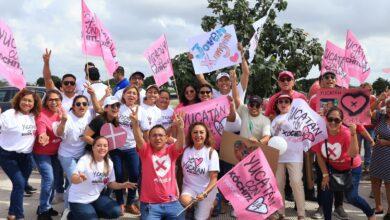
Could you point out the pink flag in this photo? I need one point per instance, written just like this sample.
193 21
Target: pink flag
355 58
160 62
251 188
334 61
108 48
9 60
89 32
386 70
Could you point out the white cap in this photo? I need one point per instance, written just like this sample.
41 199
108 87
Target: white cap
222 74
110 100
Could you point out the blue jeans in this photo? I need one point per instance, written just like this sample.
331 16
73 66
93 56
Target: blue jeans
103 207
367 146
69 165
49 168
160 211
125 160
17 167
351 194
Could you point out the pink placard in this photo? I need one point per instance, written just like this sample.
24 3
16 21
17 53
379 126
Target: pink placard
251 188
334 61
108 48
355 104
9 61
356 61
213 113
90 33
116 136
160 62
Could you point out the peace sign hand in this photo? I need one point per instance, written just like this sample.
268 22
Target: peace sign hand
46 56
134 115
233 75
178 120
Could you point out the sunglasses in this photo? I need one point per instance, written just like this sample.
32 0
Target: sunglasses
329 76
115 105
67 83
285 79
205 92
284 101
78 104
254 105
335 120
190 91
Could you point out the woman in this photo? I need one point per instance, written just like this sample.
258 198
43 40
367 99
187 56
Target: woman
45 152
380 163
94 171
200 166
189 96
205 92
339 153
126 157
71 129
17 135
292 159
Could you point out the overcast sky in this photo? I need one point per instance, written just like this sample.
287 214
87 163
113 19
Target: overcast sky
134 25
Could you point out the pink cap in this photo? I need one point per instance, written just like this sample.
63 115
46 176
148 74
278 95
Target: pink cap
286 73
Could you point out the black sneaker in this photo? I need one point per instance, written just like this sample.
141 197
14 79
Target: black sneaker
30 188
53 212
28 193
44 216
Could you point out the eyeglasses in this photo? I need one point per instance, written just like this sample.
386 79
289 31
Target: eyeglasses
205 92
54 100
115 105
67 83
78 104
285 79
189 92
335 120
284 101
254 105
329 76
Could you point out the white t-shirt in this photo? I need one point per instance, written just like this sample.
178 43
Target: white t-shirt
166 117
67 102
89 190
196 166
256 127
294 152
72 145
17 131
125 123
153 115
234 126
241 92
100 91
80 86
142 94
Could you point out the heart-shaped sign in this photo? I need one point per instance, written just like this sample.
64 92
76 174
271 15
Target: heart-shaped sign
258 206
234 58
334 150
116 136
241 150
161 164
355 103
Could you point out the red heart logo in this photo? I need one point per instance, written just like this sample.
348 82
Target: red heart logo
234 58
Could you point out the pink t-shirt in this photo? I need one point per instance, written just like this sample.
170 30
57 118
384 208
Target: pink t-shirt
313 102
44 124
337 150
158 173
270 106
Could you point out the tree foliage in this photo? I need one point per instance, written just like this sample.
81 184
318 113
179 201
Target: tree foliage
380 85
56 80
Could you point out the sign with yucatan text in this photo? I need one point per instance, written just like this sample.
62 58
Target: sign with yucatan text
214 50
333 60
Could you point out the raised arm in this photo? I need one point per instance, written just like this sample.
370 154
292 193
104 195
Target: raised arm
97 106
236 96
61 127
353 149
49 84
87 137
179 122
244 68
200 77
139 140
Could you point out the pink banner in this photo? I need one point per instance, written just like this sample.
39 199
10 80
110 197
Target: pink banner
108 48
355 58
89 32
160 62
9 61
334 61
213 113
251 188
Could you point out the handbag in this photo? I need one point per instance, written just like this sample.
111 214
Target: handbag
339 180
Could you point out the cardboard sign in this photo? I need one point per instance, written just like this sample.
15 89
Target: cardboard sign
334 61
213 113
116 136
214 50
160 62
355 104
235 148
355 58
9 61
251 188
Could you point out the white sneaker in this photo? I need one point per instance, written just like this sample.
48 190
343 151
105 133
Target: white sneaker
64 215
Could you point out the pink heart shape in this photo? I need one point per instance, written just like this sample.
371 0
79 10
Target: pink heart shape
198 161
234 58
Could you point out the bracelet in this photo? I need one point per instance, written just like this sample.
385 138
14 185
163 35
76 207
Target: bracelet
325 174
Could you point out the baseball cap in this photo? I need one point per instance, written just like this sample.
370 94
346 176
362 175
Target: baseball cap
110 100
326 73
152 86
255 99
120 69
138 73
222 74
283 96
286 73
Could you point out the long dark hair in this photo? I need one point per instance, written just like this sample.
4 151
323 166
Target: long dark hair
183 98
106 169
208 142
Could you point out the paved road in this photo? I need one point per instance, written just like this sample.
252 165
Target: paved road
31 203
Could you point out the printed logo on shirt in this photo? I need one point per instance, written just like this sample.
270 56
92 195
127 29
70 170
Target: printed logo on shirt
149 120
99 178
28 129
193 165
161 164
334 150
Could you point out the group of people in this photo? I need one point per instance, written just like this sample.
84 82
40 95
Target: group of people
62 133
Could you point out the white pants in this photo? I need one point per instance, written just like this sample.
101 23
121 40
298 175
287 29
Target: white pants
203 208
295 175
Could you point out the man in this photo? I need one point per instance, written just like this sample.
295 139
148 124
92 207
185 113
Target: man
159 192
101 89
153 113
81 82
166 111
121 81
137 79
286 84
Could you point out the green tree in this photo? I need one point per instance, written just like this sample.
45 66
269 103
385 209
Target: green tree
3 83
380 85
56 80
